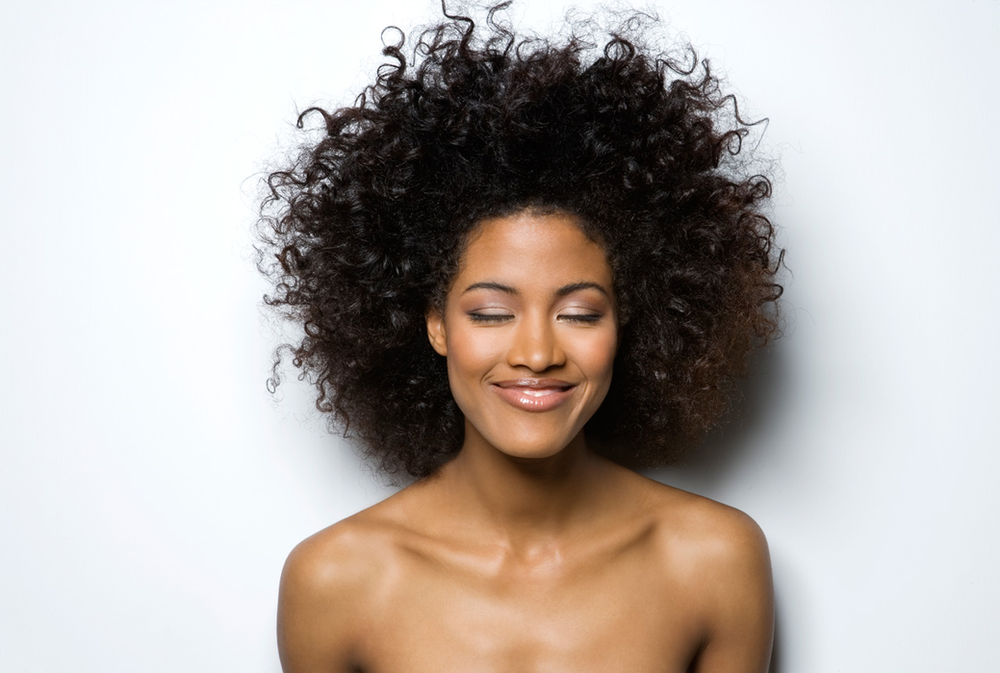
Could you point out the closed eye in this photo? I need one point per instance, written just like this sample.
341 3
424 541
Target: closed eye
581 317
490 317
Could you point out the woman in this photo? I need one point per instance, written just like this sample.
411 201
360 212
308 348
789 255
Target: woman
522 266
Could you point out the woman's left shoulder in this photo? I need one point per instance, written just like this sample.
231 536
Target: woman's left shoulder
716 560
704 536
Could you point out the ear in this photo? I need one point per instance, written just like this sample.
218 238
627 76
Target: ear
436 332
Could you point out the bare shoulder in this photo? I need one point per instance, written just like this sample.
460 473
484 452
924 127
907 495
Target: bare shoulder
721 559
701 532
331 584
336 560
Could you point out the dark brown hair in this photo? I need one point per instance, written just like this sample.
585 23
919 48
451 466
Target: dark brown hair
361 235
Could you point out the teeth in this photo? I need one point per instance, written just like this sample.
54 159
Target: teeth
538 392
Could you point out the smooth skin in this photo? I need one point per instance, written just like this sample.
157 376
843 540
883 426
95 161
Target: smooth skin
528 552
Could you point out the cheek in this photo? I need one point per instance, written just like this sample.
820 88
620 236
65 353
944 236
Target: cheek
597 362
596 354
470 359
471 354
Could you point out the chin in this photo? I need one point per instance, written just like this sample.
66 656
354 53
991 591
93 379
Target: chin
530 452
528 445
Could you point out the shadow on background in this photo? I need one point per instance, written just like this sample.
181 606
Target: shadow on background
776 657
726 450
741 441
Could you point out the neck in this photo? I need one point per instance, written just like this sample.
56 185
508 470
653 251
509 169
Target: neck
526 502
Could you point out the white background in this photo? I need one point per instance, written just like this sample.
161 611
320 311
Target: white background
150 487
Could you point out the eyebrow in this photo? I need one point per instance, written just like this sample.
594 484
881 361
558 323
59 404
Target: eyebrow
585 285
561 292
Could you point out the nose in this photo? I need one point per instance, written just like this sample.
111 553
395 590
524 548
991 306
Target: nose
535 344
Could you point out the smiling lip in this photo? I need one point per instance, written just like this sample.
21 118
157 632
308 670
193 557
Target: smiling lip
533 394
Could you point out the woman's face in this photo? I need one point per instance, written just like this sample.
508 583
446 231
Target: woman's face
529 330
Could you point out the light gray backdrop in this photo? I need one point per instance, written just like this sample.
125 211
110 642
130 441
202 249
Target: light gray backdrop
150 487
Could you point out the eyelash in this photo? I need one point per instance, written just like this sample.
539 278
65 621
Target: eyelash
489 317
503 317
584 317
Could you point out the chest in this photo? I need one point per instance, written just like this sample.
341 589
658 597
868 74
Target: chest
612 616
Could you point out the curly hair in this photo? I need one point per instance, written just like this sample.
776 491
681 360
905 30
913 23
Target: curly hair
362 234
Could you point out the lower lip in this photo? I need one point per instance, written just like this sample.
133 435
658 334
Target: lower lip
533 399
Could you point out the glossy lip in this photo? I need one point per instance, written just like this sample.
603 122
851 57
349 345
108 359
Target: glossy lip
534 395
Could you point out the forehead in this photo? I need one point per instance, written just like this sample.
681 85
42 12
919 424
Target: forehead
530 248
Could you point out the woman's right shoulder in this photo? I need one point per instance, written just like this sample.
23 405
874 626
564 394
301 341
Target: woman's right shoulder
334 556
330 583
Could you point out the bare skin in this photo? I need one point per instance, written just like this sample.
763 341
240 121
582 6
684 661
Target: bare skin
528 552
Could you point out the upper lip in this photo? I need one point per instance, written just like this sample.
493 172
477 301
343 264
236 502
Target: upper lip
536 384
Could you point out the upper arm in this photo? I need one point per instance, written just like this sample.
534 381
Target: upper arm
740 599
318 604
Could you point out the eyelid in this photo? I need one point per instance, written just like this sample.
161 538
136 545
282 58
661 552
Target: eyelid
479 316
581 317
